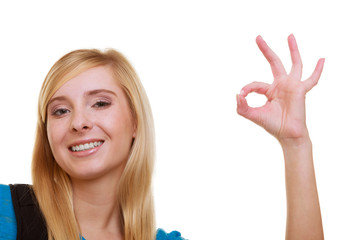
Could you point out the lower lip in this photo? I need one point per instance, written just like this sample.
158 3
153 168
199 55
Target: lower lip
86 153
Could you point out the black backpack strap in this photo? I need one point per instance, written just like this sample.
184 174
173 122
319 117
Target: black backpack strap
30 222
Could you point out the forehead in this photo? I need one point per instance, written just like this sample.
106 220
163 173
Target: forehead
91 79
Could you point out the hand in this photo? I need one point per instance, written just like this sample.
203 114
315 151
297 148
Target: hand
283 115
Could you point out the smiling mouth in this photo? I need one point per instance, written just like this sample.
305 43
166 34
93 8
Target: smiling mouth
86 146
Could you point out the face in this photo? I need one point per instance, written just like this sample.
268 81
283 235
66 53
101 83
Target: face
90 126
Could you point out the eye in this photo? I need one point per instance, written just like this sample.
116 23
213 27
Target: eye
101 104
60 111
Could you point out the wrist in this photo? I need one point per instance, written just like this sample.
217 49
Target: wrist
296 142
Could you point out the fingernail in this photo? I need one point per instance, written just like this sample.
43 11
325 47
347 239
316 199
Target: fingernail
242 92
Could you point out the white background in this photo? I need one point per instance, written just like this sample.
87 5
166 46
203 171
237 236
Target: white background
218 176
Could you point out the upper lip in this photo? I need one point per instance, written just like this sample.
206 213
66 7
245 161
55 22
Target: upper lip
85 141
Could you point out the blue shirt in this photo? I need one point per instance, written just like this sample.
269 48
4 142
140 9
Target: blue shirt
8 225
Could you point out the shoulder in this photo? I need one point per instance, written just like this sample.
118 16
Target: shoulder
5 198
8 227
4 189
19 213
162 235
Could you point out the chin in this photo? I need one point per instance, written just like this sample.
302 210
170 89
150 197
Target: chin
90 174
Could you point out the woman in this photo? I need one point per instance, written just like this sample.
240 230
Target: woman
94 150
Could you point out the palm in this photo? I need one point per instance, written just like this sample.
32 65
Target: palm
285 110
283 115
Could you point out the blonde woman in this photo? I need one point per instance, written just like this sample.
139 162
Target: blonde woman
94 152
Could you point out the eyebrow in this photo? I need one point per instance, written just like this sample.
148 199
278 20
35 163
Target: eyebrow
88 93
97 91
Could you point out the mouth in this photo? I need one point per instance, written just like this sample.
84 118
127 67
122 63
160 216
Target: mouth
85 146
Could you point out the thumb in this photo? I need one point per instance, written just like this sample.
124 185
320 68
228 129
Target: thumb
243 109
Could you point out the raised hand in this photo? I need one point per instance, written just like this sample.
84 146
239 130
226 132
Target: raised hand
283 115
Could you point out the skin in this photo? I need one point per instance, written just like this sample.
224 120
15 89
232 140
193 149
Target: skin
283 116
92 106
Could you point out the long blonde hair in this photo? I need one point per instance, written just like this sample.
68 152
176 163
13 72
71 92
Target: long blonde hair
52 185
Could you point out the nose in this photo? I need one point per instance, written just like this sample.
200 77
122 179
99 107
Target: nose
80 121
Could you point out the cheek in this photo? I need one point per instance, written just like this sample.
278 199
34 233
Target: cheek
54 133
50 133
117 127
119 121
121 130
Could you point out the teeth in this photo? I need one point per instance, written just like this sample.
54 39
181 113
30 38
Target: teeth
85 146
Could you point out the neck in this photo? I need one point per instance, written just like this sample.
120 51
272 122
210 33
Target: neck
96 207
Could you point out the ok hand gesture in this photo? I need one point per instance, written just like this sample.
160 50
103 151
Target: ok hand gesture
283 115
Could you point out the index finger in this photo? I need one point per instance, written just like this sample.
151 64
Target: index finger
277 67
